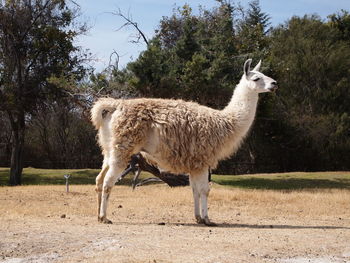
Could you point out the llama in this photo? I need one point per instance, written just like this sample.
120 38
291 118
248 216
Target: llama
178 136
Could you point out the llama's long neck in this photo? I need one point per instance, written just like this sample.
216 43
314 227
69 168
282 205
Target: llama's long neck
242 107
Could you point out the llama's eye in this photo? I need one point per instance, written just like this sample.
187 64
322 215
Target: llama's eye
255 78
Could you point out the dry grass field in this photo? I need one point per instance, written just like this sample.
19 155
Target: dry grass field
155 224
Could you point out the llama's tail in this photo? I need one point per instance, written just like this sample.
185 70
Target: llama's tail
101 109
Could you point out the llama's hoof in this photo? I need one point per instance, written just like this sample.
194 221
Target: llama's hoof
207 222
200 220
104 220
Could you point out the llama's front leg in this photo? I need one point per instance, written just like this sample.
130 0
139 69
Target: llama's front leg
204 205
111 178
200 187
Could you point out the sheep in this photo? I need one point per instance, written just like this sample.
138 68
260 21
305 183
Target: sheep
178 136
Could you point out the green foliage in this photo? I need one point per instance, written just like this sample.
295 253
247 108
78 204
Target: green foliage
256 17
341 22
190 57
200 57
111 82
311 60
40 37
36 44
253 29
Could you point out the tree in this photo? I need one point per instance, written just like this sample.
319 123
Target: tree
341 22
191 57
5 138
60 136
311 59
36 43
253 30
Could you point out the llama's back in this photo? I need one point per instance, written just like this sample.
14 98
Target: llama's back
188 136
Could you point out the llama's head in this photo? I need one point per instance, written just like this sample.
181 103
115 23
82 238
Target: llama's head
256 80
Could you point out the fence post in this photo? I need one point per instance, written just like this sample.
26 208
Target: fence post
67 183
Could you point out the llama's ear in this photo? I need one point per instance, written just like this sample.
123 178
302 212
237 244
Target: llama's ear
246 67
257 67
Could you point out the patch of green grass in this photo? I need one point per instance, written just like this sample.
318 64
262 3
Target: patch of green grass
278 181
287 181
34 176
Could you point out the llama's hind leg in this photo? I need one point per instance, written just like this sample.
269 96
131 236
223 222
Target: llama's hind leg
196 200
113 174
99 184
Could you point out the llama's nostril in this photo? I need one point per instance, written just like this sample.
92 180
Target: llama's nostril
274 83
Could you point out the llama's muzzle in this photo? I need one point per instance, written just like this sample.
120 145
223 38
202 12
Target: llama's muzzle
273 87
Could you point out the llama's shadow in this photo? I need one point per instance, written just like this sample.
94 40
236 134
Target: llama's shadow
256 226
235 225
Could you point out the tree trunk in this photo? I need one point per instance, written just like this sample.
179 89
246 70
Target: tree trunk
18 129
169 178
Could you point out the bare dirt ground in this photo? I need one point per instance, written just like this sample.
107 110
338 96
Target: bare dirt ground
156 224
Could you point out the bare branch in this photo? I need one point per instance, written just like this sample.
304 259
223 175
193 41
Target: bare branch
130 22
99 92
116 64
138 163
75 3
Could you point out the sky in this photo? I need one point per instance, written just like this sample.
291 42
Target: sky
103 37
